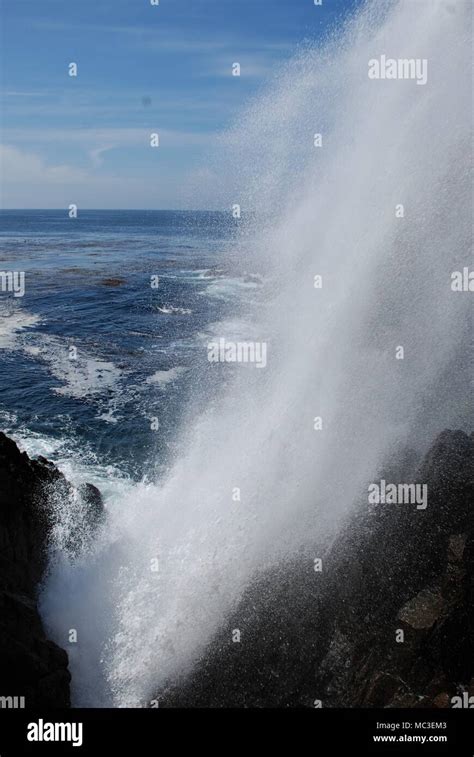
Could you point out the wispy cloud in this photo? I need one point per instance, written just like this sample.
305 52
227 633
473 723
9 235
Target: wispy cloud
24 94
99 139
126 104
167 40
250 67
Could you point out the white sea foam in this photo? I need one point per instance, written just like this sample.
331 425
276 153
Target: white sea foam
233 329
386 282
162 378
79 465
14 322
172 310
226 288
82 377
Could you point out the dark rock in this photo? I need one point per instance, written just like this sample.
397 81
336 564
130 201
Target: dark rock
393 568
30 664
92 498
113 282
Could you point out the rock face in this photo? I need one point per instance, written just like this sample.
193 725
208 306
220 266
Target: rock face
31 666
388 622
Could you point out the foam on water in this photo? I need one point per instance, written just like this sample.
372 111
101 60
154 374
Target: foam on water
172 310
82 377
331 351
162 378
14 323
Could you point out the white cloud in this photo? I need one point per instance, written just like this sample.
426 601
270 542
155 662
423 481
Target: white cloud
29 181
19 167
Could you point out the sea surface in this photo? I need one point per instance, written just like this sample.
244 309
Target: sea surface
95 362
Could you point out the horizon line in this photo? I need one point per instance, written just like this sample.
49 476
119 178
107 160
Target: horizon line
130 210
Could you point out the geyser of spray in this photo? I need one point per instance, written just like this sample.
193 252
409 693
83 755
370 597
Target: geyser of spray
328 211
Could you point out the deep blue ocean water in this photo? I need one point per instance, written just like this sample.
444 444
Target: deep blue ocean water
140 352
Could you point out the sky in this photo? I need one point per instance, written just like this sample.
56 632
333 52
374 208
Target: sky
141 69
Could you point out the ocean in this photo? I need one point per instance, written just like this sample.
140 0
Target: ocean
108 343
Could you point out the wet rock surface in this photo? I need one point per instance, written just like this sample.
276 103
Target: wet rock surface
31 665
395 572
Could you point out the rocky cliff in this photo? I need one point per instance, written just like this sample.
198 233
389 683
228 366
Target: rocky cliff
387 622
31 666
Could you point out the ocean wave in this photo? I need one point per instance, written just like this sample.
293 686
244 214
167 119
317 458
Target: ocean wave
172 310
75 460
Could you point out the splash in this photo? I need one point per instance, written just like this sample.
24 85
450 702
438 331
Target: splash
356 234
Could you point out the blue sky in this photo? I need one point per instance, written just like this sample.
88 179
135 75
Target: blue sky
141 69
